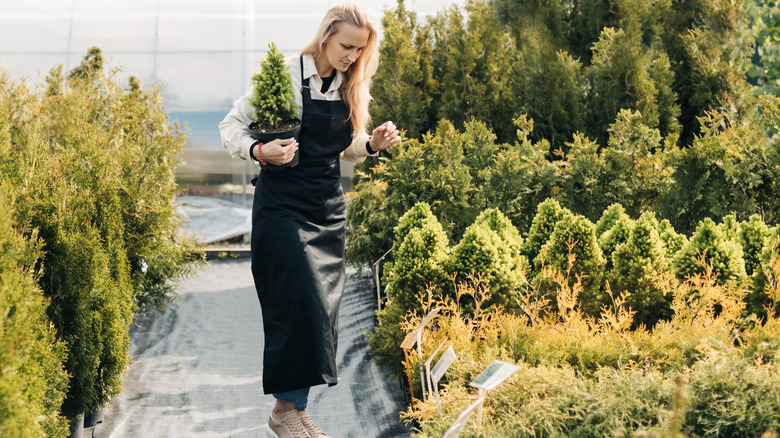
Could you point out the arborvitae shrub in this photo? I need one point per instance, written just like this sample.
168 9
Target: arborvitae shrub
78 271
729 227
576 235
766 280
418 216
158 255
723 254
752 237
494 219
483 256
93 168
489 252
673 241
418 263
637 265
32 381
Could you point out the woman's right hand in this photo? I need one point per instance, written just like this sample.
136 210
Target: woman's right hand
277 152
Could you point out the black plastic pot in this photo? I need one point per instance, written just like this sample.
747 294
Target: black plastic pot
266 137
77 428
93 418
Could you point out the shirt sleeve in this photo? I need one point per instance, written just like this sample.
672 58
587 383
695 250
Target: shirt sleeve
234 128
356 152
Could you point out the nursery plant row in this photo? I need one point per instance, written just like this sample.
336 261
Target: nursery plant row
88 236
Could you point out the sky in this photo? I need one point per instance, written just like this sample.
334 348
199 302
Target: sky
202 51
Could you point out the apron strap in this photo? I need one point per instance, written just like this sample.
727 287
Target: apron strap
306 92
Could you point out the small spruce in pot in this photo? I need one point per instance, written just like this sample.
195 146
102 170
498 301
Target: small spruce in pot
274 102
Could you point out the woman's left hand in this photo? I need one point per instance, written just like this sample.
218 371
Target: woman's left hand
384 136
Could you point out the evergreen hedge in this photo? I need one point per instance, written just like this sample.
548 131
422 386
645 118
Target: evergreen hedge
90 167
33 380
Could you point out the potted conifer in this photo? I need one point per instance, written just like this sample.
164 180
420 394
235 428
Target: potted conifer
274 103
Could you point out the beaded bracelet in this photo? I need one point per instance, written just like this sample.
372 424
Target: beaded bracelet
259 145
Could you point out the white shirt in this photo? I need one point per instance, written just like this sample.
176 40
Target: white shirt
234 128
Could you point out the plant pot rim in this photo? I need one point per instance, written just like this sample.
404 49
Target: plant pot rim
253 127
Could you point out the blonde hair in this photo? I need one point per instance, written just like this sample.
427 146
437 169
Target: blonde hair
354 88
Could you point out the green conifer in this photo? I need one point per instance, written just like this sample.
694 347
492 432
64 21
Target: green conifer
610 217
753 236
272 97
399 87
490 250
588 264
725 255
637 265
418 216
419 260
548 214
673 241
614 237
33 380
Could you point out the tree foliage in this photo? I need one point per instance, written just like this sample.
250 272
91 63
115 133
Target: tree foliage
636 266
419 257
90 165
33 380
272 93
709 247
488 255
571 66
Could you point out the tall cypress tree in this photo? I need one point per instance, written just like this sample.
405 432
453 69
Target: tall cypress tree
707 42
399 87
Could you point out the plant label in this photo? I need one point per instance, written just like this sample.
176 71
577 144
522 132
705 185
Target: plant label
412 337
445 361
460 422
494 375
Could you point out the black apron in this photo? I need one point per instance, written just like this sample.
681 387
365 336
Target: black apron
298 238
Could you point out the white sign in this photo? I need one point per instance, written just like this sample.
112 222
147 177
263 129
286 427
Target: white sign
494 375
415 336
412 337
428 365
445 361
460 422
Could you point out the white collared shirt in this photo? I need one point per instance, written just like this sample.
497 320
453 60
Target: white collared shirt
234 128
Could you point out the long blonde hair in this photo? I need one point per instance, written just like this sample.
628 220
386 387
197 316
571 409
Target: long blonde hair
354 88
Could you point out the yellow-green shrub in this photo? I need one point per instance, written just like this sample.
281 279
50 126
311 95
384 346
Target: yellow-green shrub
91 166
586 377
32 378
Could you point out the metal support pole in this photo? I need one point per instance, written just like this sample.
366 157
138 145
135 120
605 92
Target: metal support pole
482 393
376 279
422 369
409 374
378 289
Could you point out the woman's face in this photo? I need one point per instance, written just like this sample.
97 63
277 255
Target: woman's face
344 47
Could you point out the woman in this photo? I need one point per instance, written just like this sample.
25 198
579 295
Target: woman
299 213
